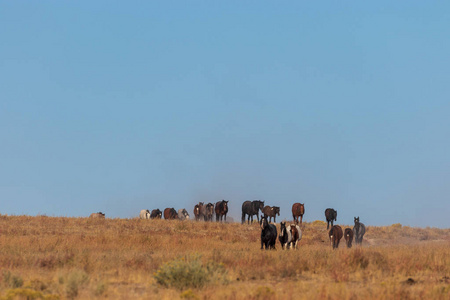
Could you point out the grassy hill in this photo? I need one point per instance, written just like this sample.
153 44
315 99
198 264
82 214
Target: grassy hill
61 258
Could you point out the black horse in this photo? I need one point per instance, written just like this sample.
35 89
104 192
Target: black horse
251 208
330 215
268 234
358 231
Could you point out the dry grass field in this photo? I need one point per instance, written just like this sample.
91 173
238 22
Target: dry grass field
65 258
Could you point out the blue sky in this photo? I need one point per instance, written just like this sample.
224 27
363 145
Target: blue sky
116 107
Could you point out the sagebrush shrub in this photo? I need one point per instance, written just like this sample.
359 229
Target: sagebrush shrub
190 272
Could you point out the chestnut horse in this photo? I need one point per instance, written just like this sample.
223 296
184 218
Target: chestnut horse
348 235
298 209
170 214
335 235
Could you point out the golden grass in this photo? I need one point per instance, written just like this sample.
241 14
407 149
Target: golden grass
50 258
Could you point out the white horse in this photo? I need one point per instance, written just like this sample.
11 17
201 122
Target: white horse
144 214
183 214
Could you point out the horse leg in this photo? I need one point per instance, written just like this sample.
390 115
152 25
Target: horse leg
301 219
225 218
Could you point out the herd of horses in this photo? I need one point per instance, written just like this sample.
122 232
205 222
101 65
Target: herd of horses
289 235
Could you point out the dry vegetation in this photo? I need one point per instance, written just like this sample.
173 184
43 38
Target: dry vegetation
63 258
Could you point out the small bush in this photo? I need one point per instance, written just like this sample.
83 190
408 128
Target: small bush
190 272
189 294
12 280
264 292
73 282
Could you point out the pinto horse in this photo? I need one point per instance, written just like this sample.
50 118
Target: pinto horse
285 236
271 211
268 234
335 235
296 233
251 208
358 231
156 214
170 214
348 235
221 210
298 210
330 215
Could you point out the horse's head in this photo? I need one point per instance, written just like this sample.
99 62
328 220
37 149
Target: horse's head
263 222
276 209
225 205
335 215
356 220
282 228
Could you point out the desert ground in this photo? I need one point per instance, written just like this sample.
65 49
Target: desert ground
80 258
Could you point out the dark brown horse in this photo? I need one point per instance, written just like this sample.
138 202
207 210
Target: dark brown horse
156 214
221 210
271 211
335 235
348 235
358 231
170 214
298 210
330 215
198 211
251 208
208 211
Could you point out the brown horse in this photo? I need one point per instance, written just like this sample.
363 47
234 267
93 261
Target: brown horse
271 211
198 211
348 235
98 215
208 211
221 210
335 235
298 210
170 214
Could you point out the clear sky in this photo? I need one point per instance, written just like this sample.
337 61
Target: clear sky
120 106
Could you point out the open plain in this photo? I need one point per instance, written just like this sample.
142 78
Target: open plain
64 258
